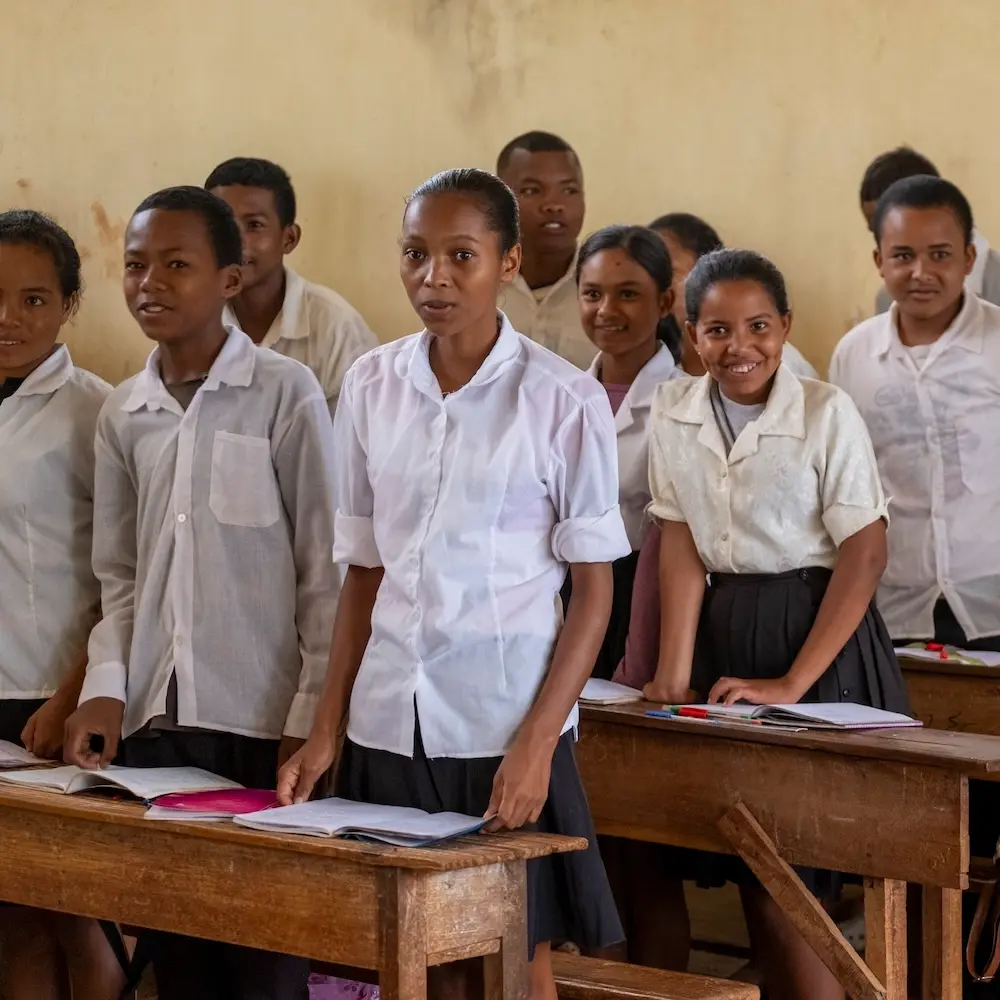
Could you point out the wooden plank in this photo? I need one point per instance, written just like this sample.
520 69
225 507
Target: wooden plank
451 897
579 978
960 702
885 934
943 945
505 974
402 968
800 906
823 809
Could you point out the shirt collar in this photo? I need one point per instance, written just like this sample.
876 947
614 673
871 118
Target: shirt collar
570 275
415 363
966 330
287 324
234 366
51 375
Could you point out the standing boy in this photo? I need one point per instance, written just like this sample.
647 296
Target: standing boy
544 173
276 307
213 528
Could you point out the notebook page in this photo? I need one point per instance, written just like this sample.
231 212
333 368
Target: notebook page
990 659
598 692
12 755
151 782
843 714
56 779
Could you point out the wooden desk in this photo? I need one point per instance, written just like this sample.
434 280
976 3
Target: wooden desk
392 910
954 696
891 806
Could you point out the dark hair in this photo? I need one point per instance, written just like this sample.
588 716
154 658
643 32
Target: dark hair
924 192
493 198
220 222
23 227
248 171
694 234
534 142
893 166
733 265
647 250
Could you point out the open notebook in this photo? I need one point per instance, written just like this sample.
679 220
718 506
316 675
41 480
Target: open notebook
145 783
598 692
211 806
343 818
12 755
949 654
829 715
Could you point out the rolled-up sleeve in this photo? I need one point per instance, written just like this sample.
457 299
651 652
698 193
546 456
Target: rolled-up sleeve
664 506
353 531
583 478
852 491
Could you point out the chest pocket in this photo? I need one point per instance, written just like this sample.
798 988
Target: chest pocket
244 491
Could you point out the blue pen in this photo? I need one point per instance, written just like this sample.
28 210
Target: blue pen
660 713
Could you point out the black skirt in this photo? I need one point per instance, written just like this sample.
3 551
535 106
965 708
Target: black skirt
14 715
752 626
569 898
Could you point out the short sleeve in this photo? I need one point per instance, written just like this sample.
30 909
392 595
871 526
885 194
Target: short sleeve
353 530
664 506
583 485
851 489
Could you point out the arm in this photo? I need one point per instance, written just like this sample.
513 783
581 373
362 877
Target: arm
43 733
642 644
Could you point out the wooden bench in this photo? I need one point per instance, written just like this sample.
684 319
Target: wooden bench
580 978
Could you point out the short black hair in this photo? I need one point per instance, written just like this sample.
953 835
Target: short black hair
23 227
492 197
887 168
534 142
220 222
733 265
249 171
924 192
693 233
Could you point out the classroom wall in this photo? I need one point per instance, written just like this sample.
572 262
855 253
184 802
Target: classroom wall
761 116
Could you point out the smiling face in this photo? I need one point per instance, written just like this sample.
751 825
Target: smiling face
173 284
32 308
740 335
549 189
451 263
620 305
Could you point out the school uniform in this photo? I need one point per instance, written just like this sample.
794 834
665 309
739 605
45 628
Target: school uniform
213 527
51 598
983 280
474 504
769 495
550 316
319 328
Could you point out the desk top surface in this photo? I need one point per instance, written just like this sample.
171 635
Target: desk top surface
969 753
473 851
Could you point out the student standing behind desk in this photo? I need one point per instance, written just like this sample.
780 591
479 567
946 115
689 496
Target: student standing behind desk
48 411
767 482
276 307
545 174
213 529
477 468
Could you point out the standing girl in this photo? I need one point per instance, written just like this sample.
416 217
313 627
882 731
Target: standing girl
48 412
477 466
768 484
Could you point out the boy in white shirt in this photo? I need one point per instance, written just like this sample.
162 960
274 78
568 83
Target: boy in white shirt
544 173
213 528
276 307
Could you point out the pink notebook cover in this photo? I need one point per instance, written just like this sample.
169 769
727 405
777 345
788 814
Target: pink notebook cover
234 801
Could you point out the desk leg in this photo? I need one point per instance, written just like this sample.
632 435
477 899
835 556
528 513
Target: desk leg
942 911
885 934
402 972
505 974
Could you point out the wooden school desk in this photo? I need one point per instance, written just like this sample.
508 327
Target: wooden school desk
890 806
958 696
396 911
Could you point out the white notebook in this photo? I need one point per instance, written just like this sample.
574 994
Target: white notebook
145 783
343 818
821 715
979 658
12 755
598 692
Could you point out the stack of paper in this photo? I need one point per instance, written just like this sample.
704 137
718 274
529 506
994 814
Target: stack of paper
820 715
11 755
146 783
343 818
597 692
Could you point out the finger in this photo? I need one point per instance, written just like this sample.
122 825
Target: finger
719 689
536 812
110 750
734 695
288 779
496 796
28 735
308 777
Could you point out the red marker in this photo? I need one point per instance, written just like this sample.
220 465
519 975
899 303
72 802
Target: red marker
687 711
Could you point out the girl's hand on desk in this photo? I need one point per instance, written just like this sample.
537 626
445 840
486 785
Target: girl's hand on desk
297 778
662 695
43 734
729 690
520 786
93 732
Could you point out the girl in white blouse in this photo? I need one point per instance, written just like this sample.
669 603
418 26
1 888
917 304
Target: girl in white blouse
766 484
476 467
48 411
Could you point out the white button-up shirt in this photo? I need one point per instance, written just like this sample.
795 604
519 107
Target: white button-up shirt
550 316
936 431
51 598
474 503
632 428
319 328
213 531
793 359
800 479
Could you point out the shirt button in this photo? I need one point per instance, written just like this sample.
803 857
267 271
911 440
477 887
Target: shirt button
846 692
181 518
725 536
